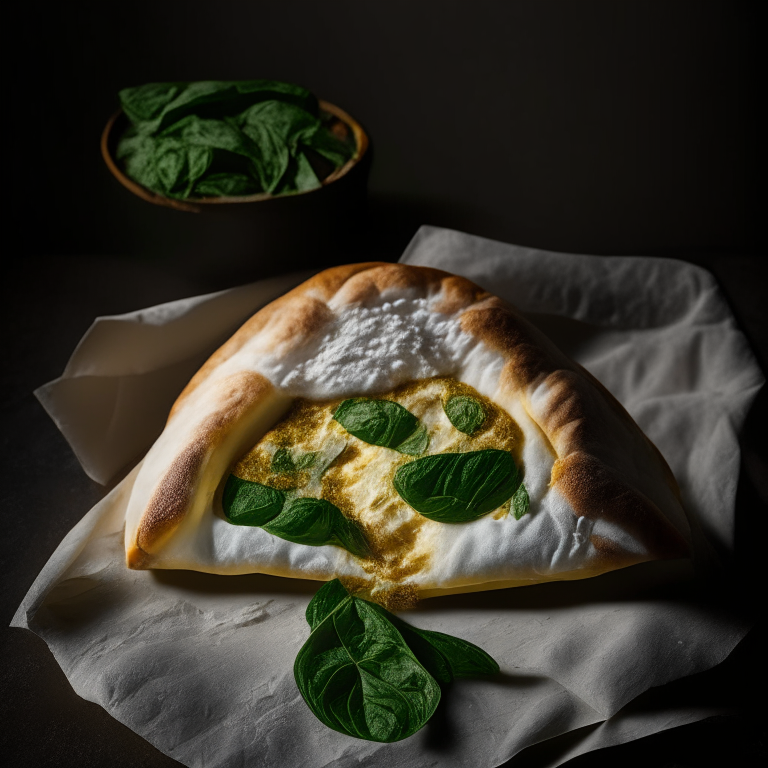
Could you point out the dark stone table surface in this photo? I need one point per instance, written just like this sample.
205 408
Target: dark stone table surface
590 127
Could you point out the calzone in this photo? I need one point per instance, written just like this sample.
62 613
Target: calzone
409 433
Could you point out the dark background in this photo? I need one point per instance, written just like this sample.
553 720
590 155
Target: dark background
594 127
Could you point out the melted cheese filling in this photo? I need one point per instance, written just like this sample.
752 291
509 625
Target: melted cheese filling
357 477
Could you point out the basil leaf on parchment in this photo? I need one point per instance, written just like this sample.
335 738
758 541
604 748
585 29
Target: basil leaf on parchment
384 423
458 487
368 674
326 600
445 657
316 522
465 413
359 677
248 503
520 502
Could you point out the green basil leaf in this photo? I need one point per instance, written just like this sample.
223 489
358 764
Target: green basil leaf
458 487
263 154
305 177
226 185
282 461
265 125
465 413
416 444
314 522
307 460
317 522
147 102
382 422
198 160
358 676
520 502
154 106
187 138
326 600
350 536
164 163
377 422
249 503
447 657
371 675
332 148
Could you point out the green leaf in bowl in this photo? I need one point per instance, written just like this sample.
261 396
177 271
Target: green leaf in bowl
229 139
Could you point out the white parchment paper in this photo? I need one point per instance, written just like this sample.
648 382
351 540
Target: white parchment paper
202 665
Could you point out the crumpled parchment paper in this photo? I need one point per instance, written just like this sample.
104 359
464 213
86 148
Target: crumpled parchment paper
202 665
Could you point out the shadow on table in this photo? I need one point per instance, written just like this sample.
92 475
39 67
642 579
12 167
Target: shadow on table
670 580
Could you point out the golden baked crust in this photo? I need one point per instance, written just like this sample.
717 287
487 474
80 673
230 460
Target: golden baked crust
605 466
174 493
597 443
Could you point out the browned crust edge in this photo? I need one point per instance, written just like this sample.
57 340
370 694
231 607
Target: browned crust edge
239 394
588 471
295 317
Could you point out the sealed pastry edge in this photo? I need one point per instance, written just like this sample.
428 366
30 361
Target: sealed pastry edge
174 488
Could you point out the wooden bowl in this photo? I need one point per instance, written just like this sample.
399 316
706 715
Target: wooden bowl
119 122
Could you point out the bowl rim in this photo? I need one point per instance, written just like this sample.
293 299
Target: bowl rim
199 203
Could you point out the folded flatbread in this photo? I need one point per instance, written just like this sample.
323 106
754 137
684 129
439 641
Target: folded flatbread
440 442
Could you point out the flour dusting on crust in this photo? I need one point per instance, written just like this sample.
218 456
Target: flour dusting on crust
373 349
